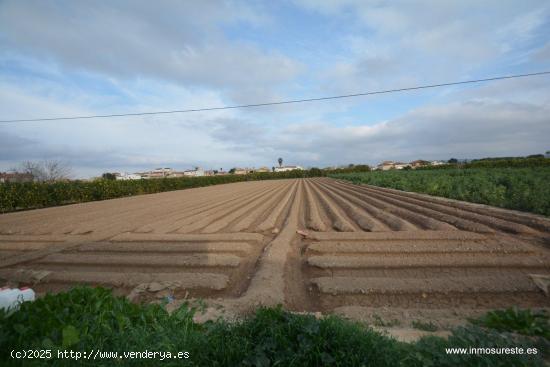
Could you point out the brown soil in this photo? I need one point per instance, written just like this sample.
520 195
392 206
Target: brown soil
313 245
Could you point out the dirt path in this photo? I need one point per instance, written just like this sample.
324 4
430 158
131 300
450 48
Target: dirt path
313 245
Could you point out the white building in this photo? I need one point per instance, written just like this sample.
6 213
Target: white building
386 165
157 173
401 165
197 172
127 176
287 168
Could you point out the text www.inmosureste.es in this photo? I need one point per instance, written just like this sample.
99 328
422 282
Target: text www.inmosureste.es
492 351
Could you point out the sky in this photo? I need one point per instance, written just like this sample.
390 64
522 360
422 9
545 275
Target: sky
67 58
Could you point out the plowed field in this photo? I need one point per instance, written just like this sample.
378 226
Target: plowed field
317 245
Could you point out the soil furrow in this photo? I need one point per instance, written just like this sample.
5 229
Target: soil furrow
531 220
356 213
470 222
260 211
145 259
342 285
388 220
340 221
272 219
308 244
238 214
415 260
450 217
384 207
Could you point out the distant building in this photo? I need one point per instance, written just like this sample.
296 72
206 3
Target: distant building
197 172
242 171
15 177
176 174
386 165
157 173
127 176
419 163
401 165
287 168
263 169
437 163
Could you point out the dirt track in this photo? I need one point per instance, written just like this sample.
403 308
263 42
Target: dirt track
239 244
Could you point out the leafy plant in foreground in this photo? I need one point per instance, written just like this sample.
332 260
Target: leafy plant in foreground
86 318
527 322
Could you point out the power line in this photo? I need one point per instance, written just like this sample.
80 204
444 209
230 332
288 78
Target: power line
280 102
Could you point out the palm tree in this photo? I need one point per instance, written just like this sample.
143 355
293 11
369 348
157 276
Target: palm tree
280 160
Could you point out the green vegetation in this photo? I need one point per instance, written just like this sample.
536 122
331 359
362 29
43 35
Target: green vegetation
86 319
524 189
503 162
31 195
524 322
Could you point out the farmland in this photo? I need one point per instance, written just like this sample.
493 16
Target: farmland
33 195
314 245
524 189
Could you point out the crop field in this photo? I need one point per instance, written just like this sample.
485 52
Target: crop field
315 244
519 188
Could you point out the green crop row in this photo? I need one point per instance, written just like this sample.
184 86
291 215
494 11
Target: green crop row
525 189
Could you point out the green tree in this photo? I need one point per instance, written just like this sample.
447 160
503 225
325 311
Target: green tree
108 176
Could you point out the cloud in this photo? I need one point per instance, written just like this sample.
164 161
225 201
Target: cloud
470 129
401 43
182 43
128 143
543 53
85 58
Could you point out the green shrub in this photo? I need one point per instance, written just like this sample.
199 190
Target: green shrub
86 319
432 350
513 319
504 162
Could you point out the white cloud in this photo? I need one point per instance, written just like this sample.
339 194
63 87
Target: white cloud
401 43
463 129
182 43
80 58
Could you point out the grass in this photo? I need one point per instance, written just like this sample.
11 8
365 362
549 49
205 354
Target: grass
84 319
524 189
